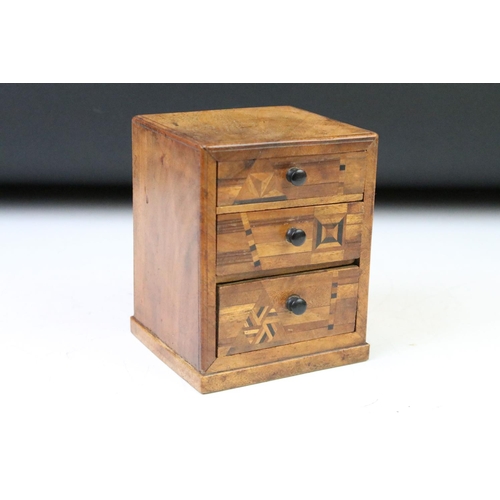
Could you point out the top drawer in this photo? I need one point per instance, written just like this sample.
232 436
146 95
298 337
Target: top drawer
329 178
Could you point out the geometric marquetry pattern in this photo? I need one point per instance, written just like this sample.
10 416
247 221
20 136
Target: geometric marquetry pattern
258 186
333 303
261 324
250 242
264 179
329 232
253 314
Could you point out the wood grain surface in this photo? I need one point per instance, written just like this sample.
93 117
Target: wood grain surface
264 180
364 261
285 351
212 265
251 242
174 244
292 149
253 314
249 374
240 127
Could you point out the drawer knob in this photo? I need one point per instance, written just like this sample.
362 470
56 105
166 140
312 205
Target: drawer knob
296 176
296 304
295 236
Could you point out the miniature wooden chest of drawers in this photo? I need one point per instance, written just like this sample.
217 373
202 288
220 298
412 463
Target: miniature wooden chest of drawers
252 233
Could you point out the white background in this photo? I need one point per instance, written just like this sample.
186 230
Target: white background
88 412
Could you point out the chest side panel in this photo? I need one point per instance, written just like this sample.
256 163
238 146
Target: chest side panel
167 268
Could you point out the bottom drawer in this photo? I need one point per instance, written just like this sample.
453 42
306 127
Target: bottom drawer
268 312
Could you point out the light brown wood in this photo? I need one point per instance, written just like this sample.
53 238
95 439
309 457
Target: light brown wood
227 278
285 368
364 261
174 262
252 242
286 351
272 205
240 127
240 377
264 180
211 200
208 236
166 354
294 149
253 314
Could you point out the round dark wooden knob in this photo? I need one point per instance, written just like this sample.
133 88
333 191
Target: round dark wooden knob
296 176
295 236
296 304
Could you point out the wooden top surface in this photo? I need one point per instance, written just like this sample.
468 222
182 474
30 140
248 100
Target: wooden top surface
232 128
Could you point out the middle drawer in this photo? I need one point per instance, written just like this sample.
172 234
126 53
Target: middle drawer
252 242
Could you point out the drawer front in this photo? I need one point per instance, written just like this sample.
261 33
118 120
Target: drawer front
251 242
265 180
254 314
